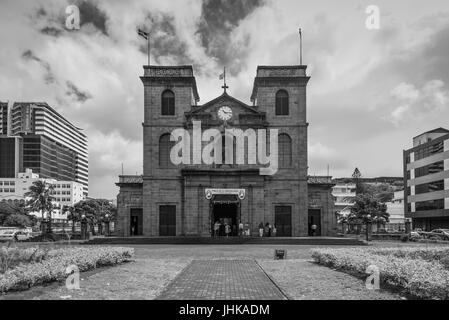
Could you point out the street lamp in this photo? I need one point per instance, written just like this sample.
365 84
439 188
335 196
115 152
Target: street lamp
83 227
368 222
107 224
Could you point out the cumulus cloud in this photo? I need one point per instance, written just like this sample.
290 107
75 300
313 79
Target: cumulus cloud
365 84
412 102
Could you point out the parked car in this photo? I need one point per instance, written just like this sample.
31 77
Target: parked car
442 233
415 235
14 234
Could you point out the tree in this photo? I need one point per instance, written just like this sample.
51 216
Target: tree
14 214
383 192
95 212
41 201
72 215
358 184
18 220
369 209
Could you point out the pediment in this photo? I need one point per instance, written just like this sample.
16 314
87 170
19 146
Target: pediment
242 113
225 99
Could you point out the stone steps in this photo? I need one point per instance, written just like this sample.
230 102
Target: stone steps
322 241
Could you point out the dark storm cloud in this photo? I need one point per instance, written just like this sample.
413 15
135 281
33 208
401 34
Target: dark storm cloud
74 91
53 23
91 13
51 31
164 40
49 78
219 18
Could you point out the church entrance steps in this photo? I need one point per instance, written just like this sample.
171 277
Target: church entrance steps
316 241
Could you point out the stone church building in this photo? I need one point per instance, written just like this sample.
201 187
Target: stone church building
191 199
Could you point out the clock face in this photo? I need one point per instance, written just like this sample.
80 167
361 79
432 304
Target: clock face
225 113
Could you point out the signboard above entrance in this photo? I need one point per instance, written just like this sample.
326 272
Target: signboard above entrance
241 193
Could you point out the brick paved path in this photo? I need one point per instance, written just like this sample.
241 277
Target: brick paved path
222 280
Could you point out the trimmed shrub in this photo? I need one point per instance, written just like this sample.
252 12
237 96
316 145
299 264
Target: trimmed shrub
53 264
411 270
11 257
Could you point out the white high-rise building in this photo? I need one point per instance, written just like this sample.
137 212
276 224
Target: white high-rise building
50 145
65 193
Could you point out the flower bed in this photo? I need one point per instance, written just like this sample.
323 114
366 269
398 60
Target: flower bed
415 271
52 265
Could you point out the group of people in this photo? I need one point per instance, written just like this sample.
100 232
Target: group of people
223 228
267 230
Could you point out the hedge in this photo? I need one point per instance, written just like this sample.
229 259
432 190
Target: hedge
53 266
414 271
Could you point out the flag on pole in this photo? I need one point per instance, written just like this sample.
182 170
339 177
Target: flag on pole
223 75
143 34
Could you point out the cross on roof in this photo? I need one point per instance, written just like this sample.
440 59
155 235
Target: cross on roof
225 87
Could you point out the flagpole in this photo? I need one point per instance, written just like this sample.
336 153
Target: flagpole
300 47
224 78
148 40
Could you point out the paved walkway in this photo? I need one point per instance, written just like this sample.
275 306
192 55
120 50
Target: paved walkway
222 280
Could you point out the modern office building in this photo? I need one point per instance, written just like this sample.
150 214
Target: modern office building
3 118
426 172
49 144
10 156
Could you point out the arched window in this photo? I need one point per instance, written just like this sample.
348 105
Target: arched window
282 103
225 150
285 151
168 103
165 146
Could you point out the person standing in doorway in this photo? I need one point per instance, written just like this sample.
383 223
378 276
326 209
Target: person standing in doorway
221 230
216 228
313 227
261 229
270 229
227 230
241 229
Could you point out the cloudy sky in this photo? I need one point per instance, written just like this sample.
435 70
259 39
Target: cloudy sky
371 90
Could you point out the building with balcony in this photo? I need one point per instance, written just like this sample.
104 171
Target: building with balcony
45 142
426 172
65 193
344 195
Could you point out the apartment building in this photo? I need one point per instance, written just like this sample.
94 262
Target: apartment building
426 172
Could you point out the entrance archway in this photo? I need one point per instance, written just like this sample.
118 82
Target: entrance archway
225 210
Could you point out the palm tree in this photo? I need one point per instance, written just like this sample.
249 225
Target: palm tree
72 215
40 194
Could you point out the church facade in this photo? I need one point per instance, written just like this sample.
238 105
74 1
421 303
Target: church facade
191 197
